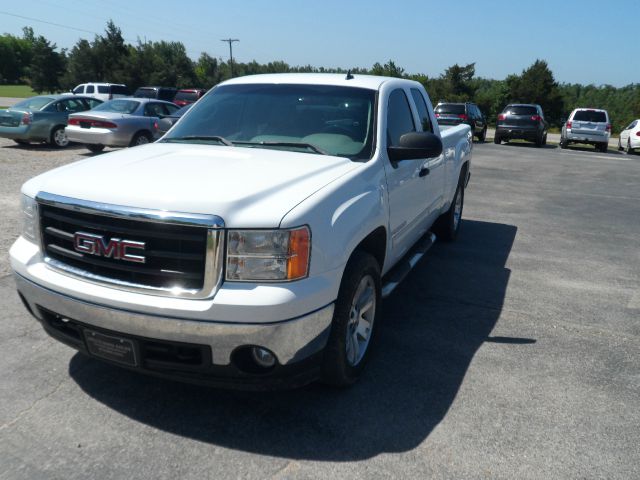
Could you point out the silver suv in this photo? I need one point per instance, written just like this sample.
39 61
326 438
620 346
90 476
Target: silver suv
587 125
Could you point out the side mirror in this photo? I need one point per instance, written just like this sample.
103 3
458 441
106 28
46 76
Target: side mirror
415 145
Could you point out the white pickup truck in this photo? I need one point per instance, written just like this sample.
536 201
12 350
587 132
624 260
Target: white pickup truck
252 245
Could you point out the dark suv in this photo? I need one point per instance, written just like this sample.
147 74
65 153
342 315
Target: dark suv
158 93
522 121
457 113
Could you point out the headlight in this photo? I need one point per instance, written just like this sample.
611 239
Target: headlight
30 223
268 255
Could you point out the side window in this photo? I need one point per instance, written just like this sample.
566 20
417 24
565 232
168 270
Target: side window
78 90
171 109
90 89
399 117
92 102
153 110
423 111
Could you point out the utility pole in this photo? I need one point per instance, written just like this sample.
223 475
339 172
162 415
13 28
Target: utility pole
230 42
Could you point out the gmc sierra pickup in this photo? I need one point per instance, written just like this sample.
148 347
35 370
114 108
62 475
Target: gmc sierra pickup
252 245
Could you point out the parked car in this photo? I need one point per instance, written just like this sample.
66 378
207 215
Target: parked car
123 122
159 93
587 125
630 137
42 118
168 121
102 91
522 121
457 113
186 96
253 245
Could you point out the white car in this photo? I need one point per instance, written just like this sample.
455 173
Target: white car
587 125
102 91
254 242
630 137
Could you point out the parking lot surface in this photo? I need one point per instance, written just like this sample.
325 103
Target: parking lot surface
512 353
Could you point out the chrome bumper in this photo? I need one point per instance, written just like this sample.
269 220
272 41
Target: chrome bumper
291 340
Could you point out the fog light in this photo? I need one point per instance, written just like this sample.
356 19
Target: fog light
263 357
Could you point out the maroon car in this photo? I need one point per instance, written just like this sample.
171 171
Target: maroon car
188 95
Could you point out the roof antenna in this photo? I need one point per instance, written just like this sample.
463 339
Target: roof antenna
349 76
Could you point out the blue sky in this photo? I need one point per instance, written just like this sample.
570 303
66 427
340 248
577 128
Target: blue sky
583 41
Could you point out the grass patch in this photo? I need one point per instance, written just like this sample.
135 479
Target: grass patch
16 91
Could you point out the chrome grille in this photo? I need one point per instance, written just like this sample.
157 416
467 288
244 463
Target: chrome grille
183 253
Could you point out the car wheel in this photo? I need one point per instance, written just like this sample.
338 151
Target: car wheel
619 145
95 147
603 147
352 330
448 224
538 141
544 139
563 143
59 138
483 135
627 149
140 138
497 140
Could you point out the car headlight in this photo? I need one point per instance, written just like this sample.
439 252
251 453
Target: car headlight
268 255
30 223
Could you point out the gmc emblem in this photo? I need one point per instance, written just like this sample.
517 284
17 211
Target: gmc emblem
115 248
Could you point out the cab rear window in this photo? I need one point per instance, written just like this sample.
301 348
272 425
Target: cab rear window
450 108
590 116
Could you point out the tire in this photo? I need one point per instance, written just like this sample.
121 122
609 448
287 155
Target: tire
95 147
628 149
539 141
343 362
58 138
497 140
447 225
603 147
544 139
563 143
140 138
483 135
619 145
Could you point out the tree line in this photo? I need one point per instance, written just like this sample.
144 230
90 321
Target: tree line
108 58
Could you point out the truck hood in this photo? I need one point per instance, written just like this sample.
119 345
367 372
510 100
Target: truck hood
247 187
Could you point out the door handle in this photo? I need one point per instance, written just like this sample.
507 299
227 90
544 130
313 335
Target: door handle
424 171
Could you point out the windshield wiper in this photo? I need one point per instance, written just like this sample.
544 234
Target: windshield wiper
310 146
216 138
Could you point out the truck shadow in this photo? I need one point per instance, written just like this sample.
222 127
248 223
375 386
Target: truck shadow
432 326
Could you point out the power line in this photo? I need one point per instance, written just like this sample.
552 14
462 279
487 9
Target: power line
48 23
230 42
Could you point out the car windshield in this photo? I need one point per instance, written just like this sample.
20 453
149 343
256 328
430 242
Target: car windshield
118 106
34 103
590 116
310 118
521 110
450 108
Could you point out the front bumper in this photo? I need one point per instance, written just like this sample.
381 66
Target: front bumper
297 343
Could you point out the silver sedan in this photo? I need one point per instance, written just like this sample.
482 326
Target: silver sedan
123 122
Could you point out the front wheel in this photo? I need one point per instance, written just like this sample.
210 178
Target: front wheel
352 330
59 138
140 138
448 224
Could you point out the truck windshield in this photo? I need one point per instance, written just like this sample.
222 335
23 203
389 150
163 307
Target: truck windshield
308 118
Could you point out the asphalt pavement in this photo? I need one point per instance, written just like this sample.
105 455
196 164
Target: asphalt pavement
510 354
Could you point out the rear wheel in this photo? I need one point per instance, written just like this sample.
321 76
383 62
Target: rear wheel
95 147
539 141
563 143
140 138
619 145
482 135
448 224
603 147
352 330
627 149
59 138
497 140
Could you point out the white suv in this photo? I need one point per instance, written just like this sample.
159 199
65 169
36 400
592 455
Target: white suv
102 91
587 125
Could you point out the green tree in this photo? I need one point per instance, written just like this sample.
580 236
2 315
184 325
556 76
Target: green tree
537 85
46 66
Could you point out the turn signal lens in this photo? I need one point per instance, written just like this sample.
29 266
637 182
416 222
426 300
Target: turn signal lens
299 246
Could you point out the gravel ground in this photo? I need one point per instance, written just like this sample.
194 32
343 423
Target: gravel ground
512 353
